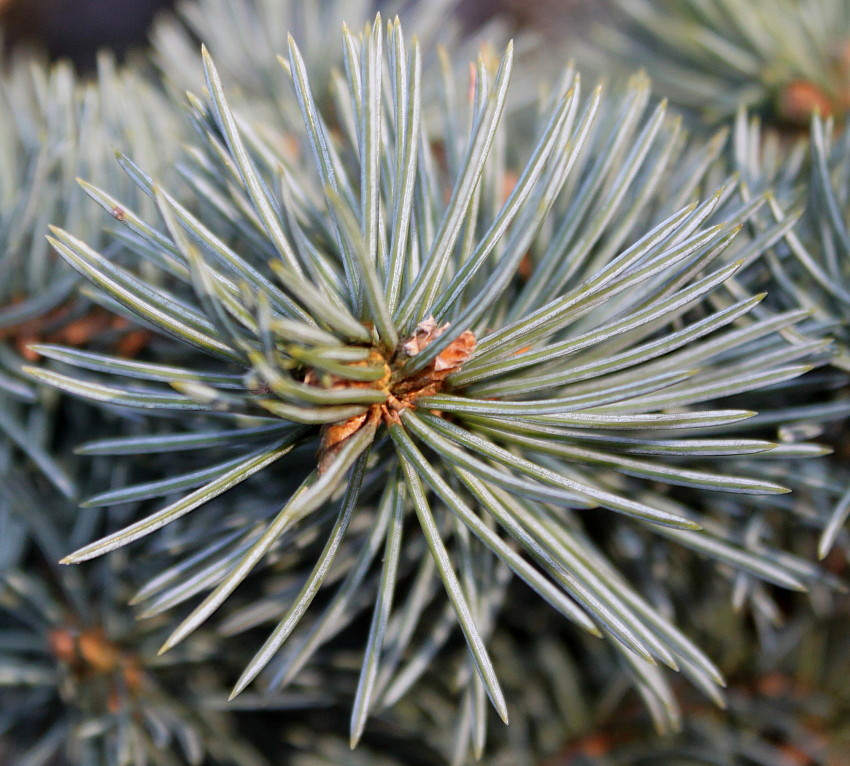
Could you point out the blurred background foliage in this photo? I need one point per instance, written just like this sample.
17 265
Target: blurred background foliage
76 29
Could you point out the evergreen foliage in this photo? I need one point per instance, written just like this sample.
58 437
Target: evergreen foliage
805 268
81 681
251 65
783 58
55 129
377 345
392 309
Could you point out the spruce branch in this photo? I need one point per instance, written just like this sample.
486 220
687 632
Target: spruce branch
479 372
